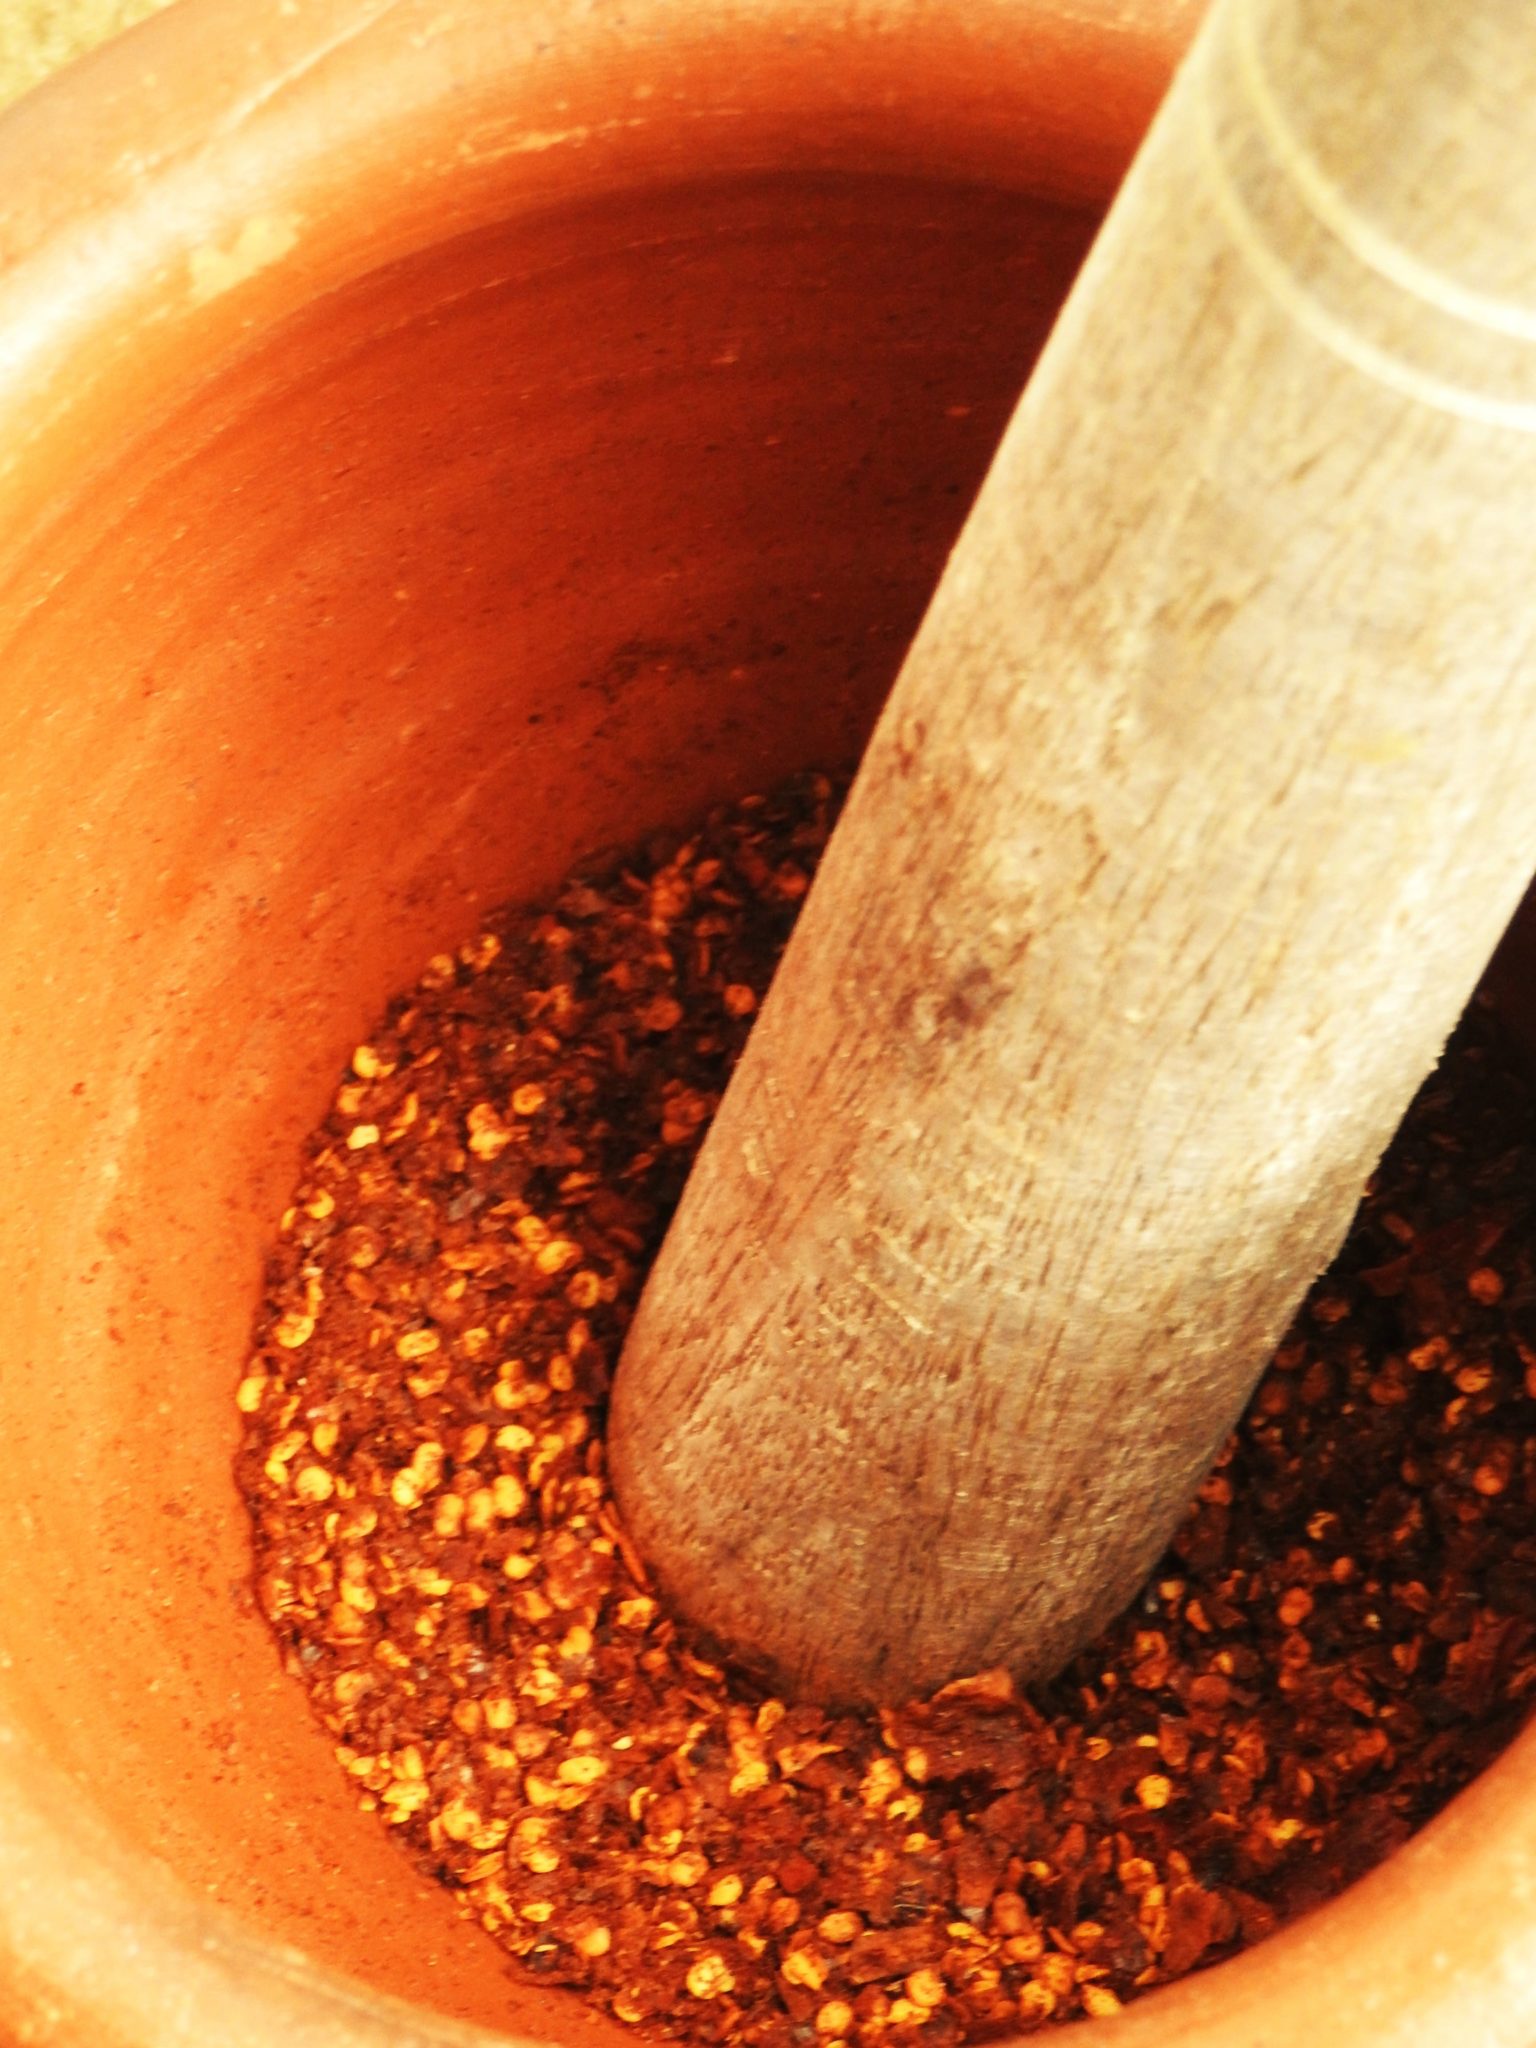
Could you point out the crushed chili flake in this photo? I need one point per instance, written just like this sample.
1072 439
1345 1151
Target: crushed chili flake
1342 1633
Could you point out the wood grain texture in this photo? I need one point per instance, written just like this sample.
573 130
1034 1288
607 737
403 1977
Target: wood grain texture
1201 801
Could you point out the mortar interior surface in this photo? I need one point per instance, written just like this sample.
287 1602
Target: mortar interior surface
520 547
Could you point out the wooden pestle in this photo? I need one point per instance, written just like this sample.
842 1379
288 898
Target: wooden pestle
1204 794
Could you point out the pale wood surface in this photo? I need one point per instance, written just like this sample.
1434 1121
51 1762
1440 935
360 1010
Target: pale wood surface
1201 801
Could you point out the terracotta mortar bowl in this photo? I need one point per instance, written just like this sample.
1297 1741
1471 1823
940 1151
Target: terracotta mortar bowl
435 440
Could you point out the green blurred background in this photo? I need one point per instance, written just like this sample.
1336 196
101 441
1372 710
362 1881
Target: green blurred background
37 36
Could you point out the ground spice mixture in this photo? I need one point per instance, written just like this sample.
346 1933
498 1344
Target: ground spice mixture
1343 1632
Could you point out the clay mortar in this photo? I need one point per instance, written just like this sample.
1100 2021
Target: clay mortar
439 440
